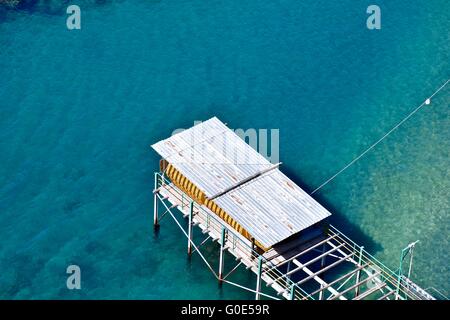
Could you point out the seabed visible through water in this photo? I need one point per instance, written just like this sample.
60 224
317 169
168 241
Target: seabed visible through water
79 109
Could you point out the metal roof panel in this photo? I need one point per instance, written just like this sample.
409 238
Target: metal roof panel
271 207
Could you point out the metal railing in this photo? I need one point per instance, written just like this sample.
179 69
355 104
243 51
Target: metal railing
235 242
242 248
387 275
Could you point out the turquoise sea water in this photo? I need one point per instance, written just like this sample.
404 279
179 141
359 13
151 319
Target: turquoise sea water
79 109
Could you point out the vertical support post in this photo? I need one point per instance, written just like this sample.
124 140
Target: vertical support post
408 250
411 256
288 269
322 264
322 261
258 279
358 273
400 271
155 201
182 200
399 278
252 255
291 293
191 211
222 253
321 292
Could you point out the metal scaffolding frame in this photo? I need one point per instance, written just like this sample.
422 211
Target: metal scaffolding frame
328 267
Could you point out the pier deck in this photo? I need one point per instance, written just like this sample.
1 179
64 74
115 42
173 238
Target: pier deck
329 266
210 177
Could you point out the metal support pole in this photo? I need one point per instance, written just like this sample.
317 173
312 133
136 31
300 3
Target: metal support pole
322 261
182 200
408 250
321 292
400 272
258 279
358 273
291 293
252 256
411 255
288 275
155 202
322 264
191 211
397 290
222 254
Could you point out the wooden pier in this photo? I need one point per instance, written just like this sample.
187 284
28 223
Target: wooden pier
286 242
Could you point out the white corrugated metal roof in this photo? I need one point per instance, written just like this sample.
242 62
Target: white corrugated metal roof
271 207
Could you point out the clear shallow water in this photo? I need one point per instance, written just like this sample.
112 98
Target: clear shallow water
78 111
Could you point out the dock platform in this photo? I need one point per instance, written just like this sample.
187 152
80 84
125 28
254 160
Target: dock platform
263 221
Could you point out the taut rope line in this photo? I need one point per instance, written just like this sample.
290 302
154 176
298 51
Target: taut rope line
426 102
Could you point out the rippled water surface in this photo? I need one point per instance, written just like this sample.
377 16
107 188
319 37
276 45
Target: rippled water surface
79 109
